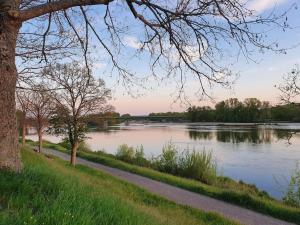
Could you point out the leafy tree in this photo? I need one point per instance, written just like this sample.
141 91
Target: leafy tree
178 36
76 95
39 105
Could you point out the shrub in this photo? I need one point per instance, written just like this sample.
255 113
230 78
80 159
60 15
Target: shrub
198 165
292 196
125 153
168 160
83 146
139 157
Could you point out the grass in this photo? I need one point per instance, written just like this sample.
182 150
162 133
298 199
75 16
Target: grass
50 192
237 193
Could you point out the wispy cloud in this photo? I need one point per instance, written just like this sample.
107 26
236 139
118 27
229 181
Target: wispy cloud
192 52
262 5
132 42
99 65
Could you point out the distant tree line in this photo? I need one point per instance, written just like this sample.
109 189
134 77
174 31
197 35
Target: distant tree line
98 121
230 110
250 110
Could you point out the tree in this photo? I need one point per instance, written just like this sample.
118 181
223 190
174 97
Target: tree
252 107
77 95
290 92
290 88
179 36
22 105
39 105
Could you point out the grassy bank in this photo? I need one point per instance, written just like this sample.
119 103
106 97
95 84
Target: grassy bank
233 192
48 191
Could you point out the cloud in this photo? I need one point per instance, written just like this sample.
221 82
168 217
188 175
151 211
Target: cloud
99 65
132 42
262 5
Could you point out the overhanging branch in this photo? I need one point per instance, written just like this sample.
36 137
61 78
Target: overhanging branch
51 7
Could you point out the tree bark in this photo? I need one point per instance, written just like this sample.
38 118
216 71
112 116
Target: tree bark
9 152
23 129
74 153
40 135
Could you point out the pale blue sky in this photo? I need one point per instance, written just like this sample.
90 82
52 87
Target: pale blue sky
256 79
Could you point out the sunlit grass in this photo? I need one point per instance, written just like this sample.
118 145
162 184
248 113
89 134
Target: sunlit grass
226 189
49 191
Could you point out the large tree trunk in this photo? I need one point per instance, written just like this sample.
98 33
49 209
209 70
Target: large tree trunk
9 152
74 153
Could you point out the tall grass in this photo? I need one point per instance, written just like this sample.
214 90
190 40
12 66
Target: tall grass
198 165
168 161
292 196
130 155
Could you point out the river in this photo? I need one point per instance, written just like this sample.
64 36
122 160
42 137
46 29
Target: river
264 155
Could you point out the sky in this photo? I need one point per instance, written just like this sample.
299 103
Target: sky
256 79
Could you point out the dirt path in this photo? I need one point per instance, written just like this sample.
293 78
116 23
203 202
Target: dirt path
182 196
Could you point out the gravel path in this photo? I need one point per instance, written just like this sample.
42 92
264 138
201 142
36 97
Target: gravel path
182 196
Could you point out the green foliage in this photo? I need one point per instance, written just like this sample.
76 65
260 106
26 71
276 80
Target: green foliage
292 196
139 157
83 146
198 165
168 161
225 189
125 153
135 156
250 110
97 120
48 191
191 164
167 116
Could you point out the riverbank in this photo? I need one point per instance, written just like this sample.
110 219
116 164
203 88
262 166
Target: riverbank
235 193
48 191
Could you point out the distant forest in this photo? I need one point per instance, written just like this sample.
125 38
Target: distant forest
233 110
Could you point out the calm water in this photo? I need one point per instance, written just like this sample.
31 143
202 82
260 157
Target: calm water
263 155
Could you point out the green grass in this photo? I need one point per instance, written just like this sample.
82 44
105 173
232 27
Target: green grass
50 192
233 192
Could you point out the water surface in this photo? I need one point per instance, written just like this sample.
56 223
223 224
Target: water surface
264 155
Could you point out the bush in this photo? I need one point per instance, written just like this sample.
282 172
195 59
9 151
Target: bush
134 156
139 157
125 153
83 146
191 164
292 196
168 161
198 165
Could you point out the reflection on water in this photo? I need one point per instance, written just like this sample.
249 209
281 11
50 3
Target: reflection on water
252 153
255 135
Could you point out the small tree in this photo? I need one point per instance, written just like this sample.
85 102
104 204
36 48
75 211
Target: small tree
40 104
290 92
22 106
290 88
77 95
